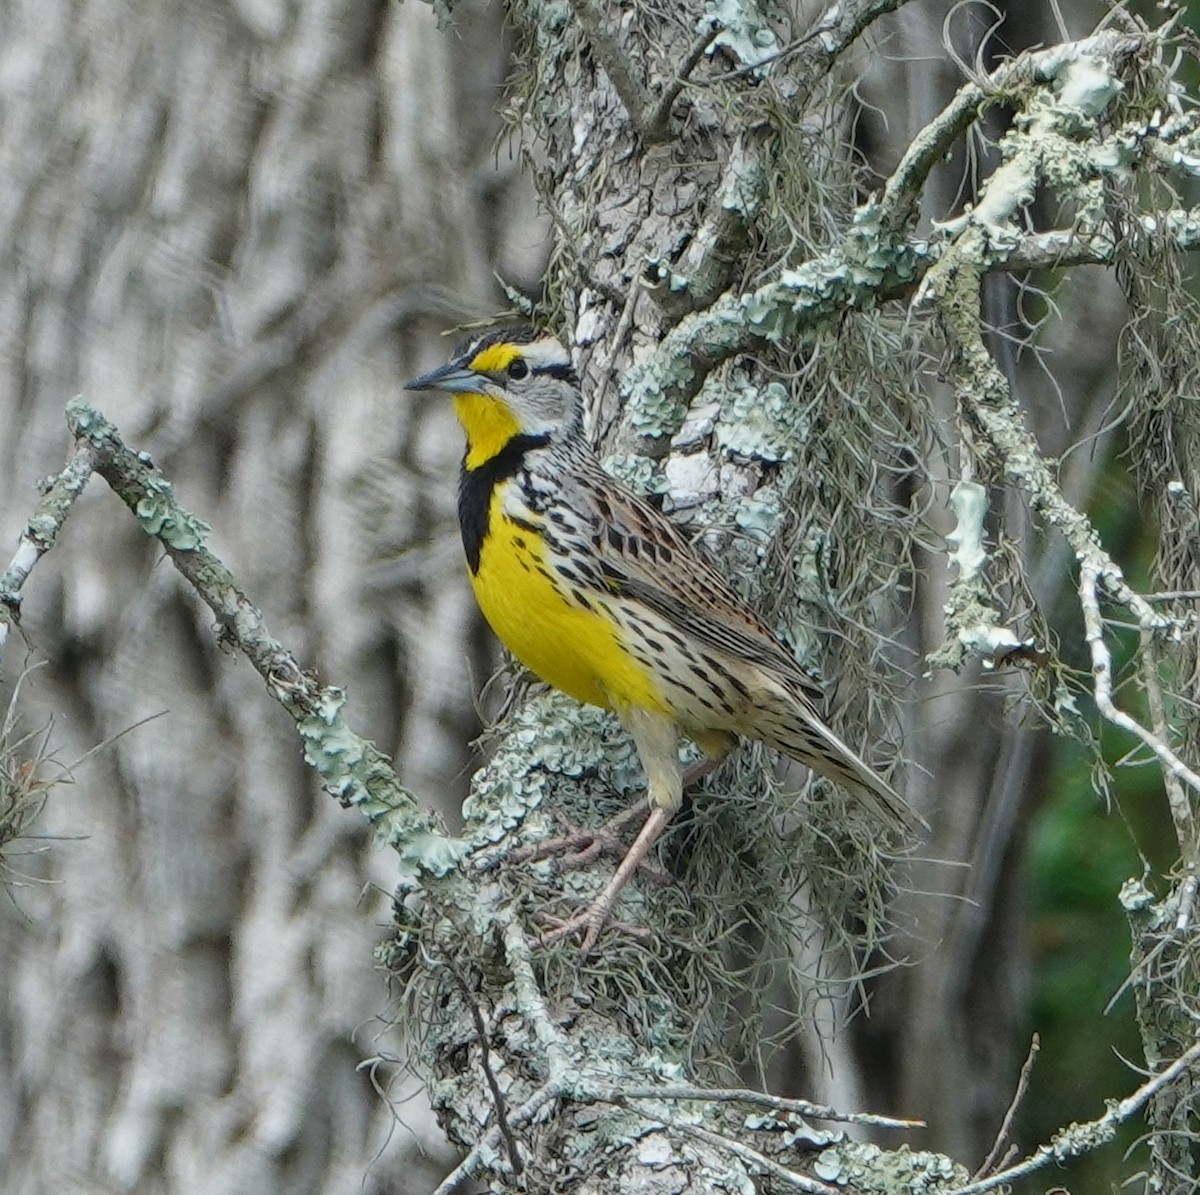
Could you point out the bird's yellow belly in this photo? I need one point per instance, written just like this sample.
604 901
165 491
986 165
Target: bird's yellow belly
571 647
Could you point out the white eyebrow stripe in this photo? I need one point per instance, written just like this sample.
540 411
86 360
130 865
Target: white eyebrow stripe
544 352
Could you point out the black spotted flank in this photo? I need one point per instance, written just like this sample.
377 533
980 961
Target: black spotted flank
475 488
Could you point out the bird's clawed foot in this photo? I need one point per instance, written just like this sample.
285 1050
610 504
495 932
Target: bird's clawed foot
578 847
596 916
587 926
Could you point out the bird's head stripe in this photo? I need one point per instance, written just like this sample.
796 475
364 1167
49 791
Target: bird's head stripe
564 373
494 358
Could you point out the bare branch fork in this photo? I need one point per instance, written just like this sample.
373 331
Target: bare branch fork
650 115
353 769
1079 1139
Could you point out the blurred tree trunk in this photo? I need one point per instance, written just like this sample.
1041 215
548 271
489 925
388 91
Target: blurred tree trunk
211 215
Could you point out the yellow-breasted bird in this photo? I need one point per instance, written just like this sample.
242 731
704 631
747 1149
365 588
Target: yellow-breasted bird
596 592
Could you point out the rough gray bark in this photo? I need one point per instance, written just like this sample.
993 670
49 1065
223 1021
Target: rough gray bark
217 220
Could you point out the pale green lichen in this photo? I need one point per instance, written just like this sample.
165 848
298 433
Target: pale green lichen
873 1171
639 473
161 516
743 32
43 529
793 1130
973 627
1045 149
1087 85
552 744
1078 1139
758 515
157 511
865 265
652 410
743 189
358 774
970 505
1135 897
763 422
873 258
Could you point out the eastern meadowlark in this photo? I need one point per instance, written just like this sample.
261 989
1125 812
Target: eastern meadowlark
595 591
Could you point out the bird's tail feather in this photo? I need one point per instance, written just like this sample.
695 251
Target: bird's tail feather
803 735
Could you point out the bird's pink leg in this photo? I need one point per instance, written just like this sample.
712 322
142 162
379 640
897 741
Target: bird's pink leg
593 919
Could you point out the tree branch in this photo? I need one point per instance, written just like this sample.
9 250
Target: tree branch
878 259
760 1099
42 531
1079 1139
1090 573
352 769
633 94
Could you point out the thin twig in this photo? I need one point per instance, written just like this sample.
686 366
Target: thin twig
42 531
1174 595
759 1099
838 27
1083 1138
530 1002
994 1155
801 1182
614 61
468 1167
1187 902
533 1010
1177 799
1090 572
485 1059
658 120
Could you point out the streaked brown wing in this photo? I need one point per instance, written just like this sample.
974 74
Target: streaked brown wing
645 558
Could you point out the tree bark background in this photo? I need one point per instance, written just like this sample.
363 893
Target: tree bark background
236 229
221 224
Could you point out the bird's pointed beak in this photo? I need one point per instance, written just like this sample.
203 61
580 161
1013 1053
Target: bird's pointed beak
454 376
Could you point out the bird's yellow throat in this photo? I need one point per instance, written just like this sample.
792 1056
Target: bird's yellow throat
489 424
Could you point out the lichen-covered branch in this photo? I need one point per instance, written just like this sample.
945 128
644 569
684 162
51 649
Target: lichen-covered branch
594 1107
42 531
351 768
1077 1139
974 627
878 257
1087 83
1057 143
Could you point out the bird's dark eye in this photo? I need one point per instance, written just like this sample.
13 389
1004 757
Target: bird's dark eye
518 369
